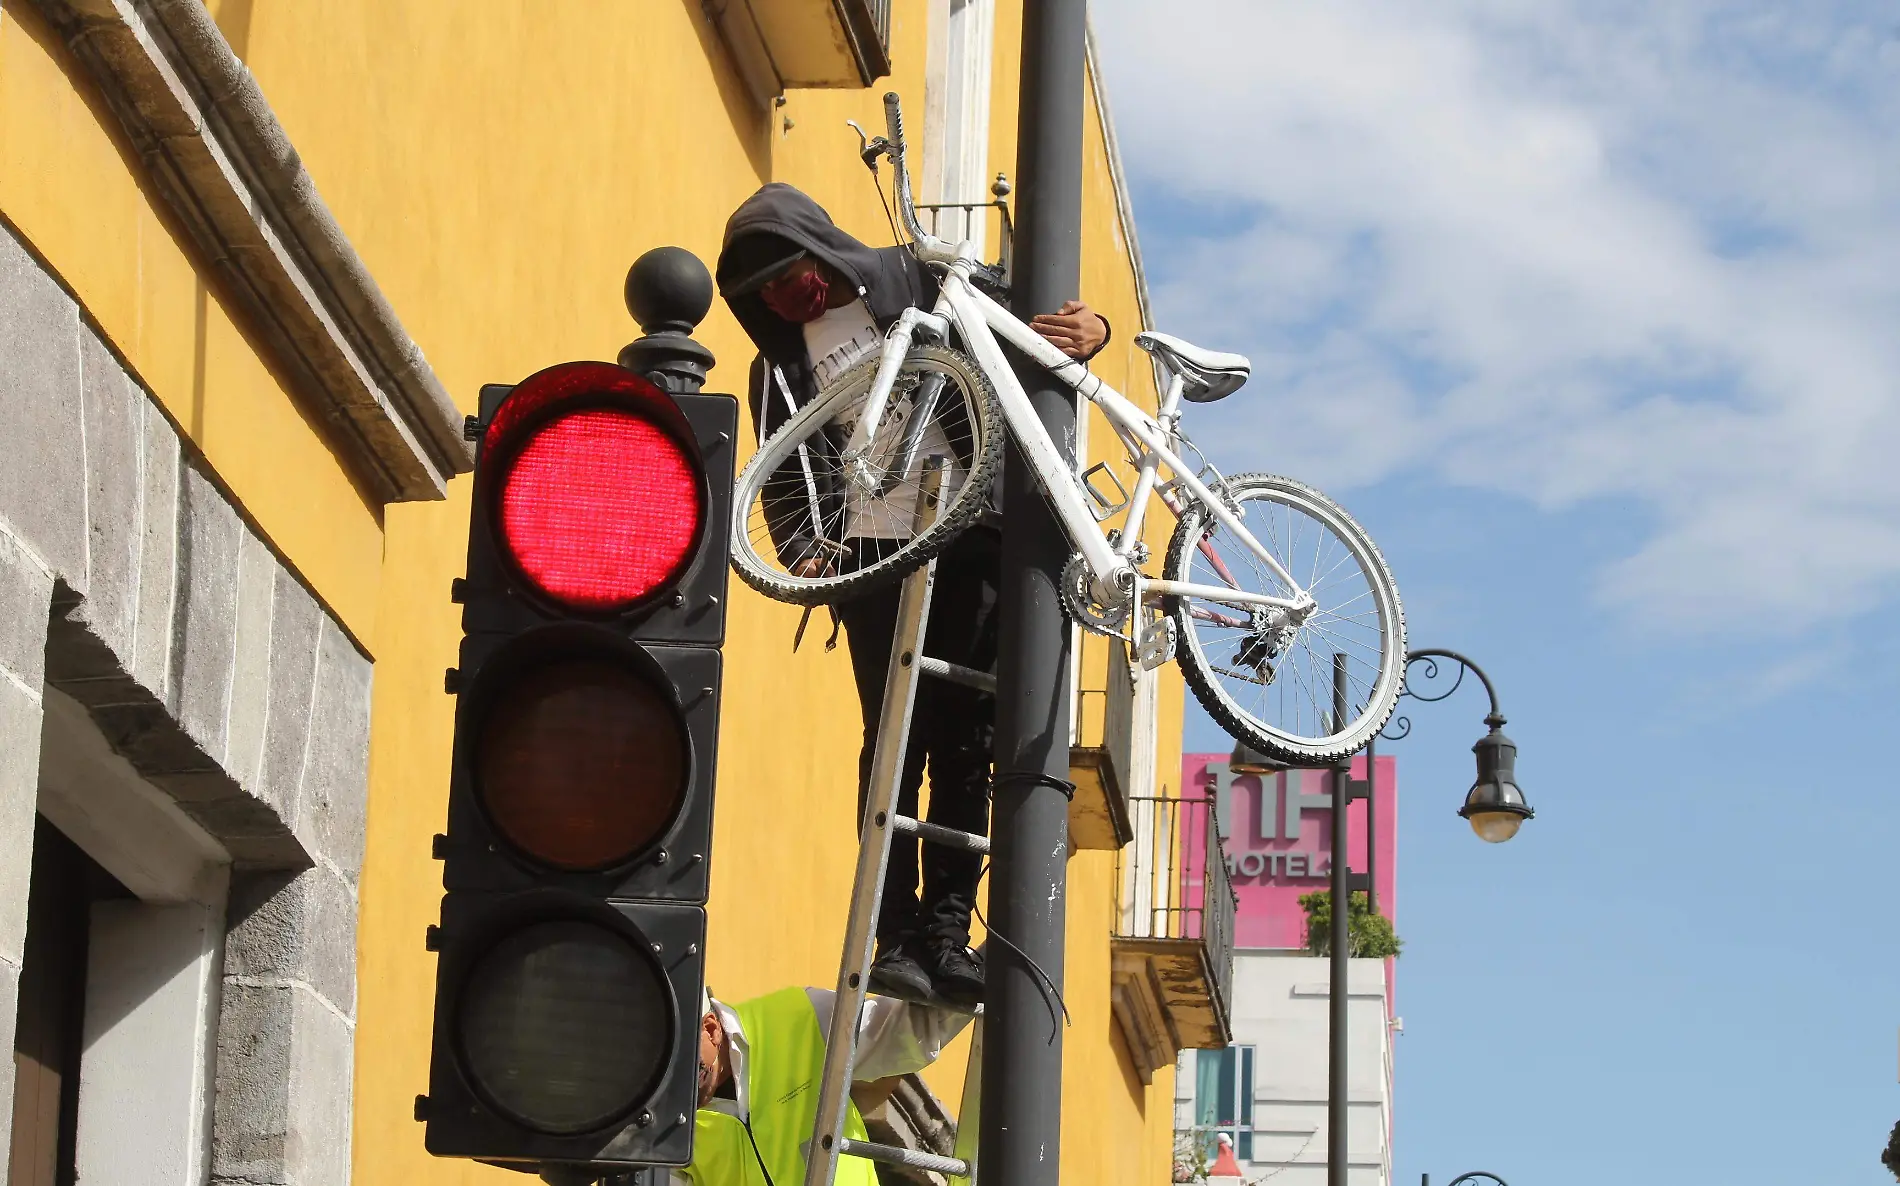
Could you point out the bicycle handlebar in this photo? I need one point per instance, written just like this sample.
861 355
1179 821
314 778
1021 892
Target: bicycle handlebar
929 247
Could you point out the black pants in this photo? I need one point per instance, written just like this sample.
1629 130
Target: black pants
952 727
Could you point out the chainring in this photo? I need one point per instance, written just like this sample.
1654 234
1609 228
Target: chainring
1079 599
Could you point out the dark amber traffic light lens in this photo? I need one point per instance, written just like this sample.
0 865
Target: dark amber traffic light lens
565 1025
583 762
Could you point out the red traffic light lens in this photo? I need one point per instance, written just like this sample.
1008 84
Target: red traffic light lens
565 1025
582 762
598 499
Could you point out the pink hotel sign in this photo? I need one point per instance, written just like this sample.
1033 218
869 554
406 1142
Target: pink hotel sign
1277 835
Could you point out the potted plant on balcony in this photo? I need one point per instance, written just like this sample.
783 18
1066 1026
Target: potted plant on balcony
1371 934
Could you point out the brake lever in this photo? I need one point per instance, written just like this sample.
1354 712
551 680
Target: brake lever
869 148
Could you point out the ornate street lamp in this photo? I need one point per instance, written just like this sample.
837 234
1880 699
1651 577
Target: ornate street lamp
1461 1179
1495 807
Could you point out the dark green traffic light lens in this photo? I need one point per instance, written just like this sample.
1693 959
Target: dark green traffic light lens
566 1025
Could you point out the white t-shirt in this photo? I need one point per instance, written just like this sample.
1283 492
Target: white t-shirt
834 342
838 338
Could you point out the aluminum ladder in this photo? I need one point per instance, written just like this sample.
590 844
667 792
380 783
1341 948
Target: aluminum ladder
908 664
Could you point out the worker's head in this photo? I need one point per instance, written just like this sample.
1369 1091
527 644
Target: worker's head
791 282
715 1063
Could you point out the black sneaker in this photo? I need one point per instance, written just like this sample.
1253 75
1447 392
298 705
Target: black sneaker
955 973
896 972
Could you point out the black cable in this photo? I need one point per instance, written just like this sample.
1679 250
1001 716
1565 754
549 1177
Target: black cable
756 1155
1044 981
889 217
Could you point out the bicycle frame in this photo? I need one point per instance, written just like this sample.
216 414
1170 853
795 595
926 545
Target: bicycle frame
1150 442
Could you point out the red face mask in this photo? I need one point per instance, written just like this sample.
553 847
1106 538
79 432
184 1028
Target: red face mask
799 298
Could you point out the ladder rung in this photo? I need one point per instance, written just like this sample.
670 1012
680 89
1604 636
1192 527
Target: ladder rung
897 1155
969 677
938 834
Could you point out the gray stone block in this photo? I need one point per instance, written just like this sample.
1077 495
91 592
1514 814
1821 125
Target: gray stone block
250 677
9 1012
40 483
114 420
317 1148
295 926
158 554
284 1083
251 1111
26 592
19 796
205 646
332 805
295 617
146 736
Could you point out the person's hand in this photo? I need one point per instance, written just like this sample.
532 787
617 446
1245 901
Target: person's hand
817 566
1074 329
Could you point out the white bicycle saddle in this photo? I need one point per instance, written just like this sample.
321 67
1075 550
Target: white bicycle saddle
1207 375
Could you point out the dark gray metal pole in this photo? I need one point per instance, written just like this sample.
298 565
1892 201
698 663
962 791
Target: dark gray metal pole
1338 994
1372 827
1022 1068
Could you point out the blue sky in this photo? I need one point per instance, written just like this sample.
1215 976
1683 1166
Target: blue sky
1588 312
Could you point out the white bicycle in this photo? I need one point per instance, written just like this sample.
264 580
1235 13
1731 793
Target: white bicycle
1267 587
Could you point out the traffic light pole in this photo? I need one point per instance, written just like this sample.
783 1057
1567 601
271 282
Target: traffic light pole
1022 1076
1339 994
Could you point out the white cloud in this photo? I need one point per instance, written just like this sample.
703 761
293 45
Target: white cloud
1566 250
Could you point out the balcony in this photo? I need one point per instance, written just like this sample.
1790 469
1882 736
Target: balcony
778 45
1173 959
1103 763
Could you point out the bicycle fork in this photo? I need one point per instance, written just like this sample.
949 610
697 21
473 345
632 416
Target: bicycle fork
859 470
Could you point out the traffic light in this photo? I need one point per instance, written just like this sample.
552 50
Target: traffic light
580 801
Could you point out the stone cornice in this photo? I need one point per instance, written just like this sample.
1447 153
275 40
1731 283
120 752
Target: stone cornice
217 155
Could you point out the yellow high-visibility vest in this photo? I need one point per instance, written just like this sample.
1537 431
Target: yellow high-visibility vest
785 1058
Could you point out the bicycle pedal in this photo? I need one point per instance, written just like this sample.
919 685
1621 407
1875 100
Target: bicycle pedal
1158 643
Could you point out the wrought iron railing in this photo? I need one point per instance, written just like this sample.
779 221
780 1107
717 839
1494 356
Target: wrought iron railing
1175 884
933 214
867 24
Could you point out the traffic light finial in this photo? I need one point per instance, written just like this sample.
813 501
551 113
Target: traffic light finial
669 292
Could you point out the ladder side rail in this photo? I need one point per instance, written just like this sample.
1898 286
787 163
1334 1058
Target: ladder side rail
970 1110
874 852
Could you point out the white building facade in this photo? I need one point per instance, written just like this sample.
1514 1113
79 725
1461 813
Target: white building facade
1268 1090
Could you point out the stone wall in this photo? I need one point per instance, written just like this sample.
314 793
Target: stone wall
129 581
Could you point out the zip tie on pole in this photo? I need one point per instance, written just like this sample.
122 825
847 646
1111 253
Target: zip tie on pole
1035 778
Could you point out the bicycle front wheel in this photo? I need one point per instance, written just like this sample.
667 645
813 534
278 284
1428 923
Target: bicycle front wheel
1270 683
809 526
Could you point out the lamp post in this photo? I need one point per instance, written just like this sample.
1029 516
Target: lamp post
1495 808
1479 1176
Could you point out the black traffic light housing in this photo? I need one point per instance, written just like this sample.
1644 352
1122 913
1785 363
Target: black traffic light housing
577 851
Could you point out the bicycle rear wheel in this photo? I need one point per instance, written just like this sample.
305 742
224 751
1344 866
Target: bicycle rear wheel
795 503
1270 685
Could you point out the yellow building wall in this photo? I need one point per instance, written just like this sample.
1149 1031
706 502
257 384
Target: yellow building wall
72 188
498 166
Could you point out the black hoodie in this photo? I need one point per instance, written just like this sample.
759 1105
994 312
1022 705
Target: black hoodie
888 279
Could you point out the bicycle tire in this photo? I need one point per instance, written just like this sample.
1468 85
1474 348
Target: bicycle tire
1247 726
966 505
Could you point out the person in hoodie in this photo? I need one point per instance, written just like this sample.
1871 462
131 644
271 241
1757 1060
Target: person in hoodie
815 301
